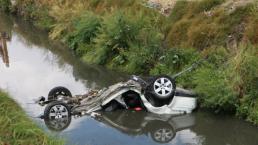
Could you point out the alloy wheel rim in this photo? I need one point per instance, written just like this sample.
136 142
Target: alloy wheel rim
58 112
163 87
163 135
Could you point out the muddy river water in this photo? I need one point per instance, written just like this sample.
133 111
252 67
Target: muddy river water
34 64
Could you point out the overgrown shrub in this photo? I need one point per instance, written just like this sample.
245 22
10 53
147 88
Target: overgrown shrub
117 32
85 30
5 5
244 78
230 82
44 20
175 60
27 9
145 53
214 91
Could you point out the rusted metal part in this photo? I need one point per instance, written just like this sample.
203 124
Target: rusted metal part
95 99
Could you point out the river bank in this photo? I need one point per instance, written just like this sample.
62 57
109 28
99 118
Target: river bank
37 64
127 36
17 129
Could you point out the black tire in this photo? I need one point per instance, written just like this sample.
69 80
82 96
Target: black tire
167 87
58 109
58 124
55 92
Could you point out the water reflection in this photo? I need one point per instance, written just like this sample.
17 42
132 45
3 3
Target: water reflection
160 128
3 48
58 124
56 53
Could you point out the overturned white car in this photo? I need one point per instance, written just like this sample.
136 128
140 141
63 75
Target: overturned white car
157 95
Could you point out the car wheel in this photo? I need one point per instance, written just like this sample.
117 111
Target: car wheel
163 135
56 92
56 111
162 132
58 124
163 87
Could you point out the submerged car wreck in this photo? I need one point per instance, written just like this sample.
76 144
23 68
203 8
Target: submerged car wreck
157 95
159 128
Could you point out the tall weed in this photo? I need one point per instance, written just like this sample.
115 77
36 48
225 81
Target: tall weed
85 30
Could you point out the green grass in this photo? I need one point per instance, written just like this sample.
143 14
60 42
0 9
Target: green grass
17 129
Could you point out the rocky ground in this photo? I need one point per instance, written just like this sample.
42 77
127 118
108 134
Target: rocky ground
166 6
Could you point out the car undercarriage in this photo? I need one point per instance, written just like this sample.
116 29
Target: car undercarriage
157 95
